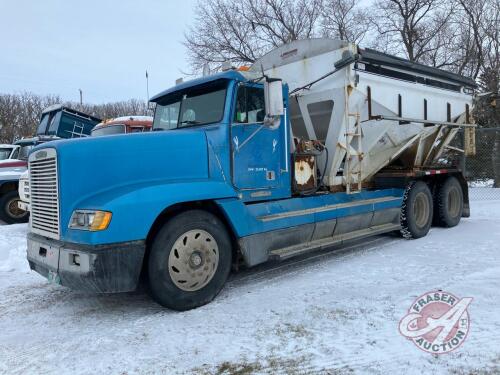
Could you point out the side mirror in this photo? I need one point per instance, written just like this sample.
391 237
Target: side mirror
273 97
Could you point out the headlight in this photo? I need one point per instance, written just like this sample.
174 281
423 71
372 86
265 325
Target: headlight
90 220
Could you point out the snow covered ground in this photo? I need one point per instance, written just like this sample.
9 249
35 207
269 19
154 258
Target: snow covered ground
333 312
483 193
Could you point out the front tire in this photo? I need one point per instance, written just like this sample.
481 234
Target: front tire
190 260
9 210
416 210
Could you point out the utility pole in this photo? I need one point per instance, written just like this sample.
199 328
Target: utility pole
147 92
81 99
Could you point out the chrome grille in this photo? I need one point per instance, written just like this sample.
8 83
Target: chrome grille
44 202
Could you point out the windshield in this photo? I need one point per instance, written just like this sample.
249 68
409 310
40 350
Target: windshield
135 129
5 153
194 106
108 130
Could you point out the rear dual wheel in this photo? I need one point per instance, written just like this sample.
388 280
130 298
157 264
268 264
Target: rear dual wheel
190 260
449 203
419 210
416 210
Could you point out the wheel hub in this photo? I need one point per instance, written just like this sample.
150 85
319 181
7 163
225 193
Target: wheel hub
421 209
193 260
454 203
14 210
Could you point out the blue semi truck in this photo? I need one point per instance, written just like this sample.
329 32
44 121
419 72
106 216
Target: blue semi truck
228 178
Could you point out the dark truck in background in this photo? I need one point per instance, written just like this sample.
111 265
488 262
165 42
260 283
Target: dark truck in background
56 122
64 122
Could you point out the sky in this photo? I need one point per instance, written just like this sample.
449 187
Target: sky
100 46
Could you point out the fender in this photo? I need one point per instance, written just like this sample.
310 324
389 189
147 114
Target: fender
8 183
138 219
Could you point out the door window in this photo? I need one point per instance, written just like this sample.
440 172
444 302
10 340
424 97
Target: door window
5 153
42 127
250 107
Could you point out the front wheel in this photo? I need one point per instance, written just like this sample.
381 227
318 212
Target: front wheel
190 260
417 210
9 209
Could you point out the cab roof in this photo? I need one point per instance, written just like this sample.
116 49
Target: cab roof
146 121
228 75
60 107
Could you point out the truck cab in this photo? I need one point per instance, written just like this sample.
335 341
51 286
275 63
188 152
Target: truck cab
243 167
64 122
226 106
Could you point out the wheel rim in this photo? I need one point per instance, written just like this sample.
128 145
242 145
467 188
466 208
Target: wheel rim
421 209
193 260
454 202
13 209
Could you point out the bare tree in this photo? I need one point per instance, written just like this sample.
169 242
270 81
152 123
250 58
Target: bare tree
344 19
242 31
282 21
110 110
20 113
472 21
220 33
491 37
410 27
487 106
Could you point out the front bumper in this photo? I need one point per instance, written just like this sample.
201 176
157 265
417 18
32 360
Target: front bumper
23 206
101 268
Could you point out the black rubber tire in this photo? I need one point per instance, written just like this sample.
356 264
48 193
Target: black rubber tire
5 215
410 228
445 214
162 288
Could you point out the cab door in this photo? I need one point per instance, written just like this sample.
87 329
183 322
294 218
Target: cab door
257 150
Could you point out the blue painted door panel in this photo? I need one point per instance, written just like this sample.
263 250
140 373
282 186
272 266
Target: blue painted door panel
260 167
256 156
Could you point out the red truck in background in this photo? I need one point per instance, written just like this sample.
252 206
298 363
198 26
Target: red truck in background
122 125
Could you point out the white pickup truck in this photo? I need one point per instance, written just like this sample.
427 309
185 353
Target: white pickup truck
13 162
24 191
8 153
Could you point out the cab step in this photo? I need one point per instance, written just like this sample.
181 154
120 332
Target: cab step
296 250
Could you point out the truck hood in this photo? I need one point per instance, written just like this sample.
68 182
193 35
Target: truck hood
11 169
13 163
90 166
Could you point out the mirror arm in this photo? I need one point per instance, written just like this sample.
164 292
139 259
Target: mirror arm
272 122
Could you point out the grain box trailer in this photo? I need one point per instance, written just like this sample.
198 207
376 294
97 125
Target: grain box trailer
318 143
